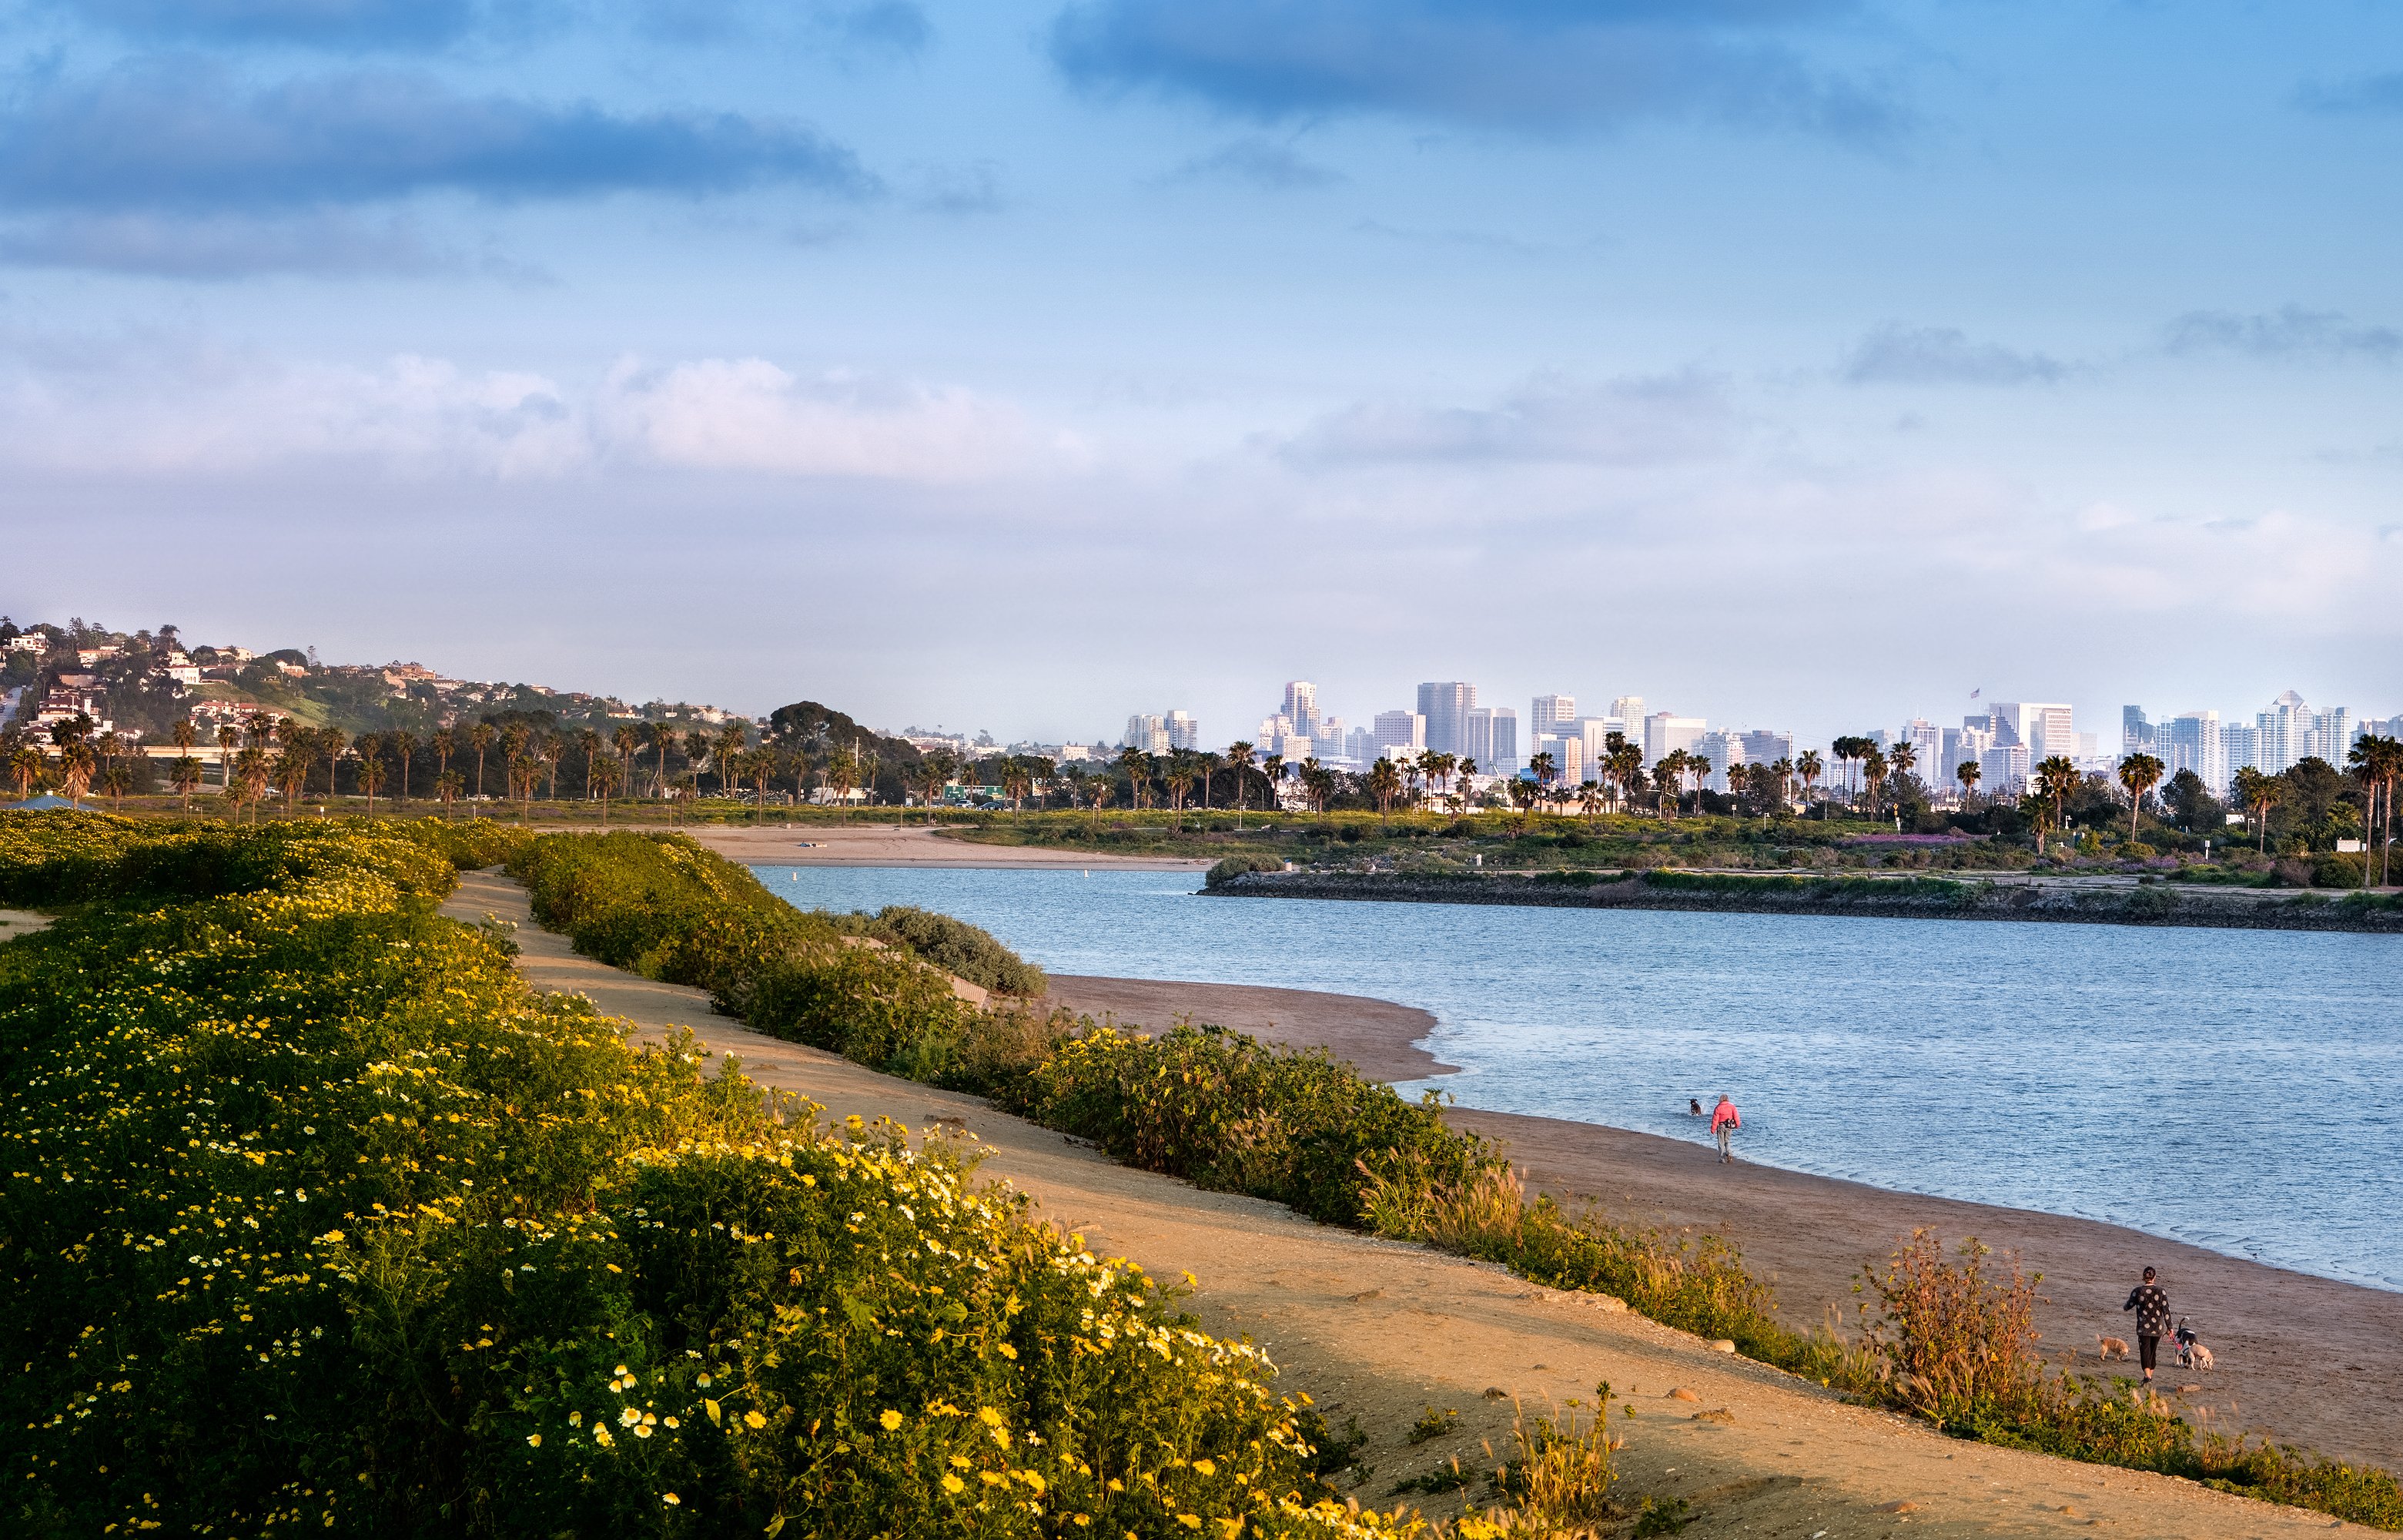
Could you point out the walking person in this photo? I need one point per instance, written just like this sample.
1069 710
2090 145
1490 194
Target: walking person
1724 1121
2152 1308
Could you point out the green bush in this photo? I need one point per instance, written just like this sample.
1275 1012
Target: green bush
958 948
1236 865
319 1219
2336 870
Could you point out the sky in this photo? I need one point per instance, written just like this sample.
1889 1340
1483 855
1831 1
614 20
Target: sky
1021 365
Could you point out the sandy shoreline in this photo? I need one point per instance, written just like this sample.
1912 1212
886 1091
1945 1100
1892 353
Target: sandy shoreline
902 845
2319 1361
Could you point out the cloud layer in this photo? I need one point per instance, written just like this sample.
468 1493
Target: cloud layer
1649 420
185 135
1526 64
1896 354
2293 332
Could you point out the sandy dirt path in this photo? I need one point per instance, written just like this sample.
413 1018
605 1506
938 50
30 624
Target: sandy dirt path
901 845
16 922
1376 1331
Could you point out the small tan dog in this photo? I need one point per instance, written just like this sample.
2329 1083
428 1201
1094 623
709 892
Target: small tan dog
2110 1347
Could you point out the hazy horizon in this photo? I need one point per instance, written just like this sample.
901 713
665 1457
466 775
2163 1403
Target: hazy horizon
1803 364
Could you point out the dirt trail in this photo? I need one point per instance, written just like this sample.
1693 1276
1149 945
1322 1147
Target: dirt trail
16 922
1378 1330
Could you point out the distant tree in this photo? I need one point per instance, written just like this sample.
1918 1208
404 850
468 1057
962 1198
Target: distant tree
1137 766
27 764
291 773
184 735
227 740
404 749
450 784
1182 771
2139 773
371 777
1875 768
1544 767
1808 766
1589 800
1239 761
2056 782
1384 785
1272 770
934 775
185 776
479 738
663 737
1967 772
1525 793
445 742
762 765
2377 763
2258 793
77 764
696 747
116 779
1667 774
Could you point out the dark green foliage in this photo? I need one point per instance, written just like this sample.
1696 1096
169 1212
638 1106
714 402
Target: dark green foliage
958 948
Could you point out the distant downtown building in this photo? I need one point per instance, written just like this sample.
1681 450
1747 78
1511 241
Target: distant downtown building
1548 714
1664 731
1446 706
1492 739
1400 730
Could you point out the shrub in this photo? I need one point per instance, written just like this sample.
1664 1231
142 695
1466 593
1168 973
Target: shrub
320 1219
961 949
1236 865
2336 870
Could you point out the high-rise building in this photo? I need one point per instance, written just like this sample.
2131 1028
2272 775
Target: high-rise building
2282 730
1500 755
2331 735
2042 729
1766 746
1446 706
2135 733
2002 770
1147 732
1596 731
1400 730
1725 751
1569 764
2190 741
1926 740
1629 708
1549 712
1184 732
1301 706
2240 747
1963 745
1359 746
1664 731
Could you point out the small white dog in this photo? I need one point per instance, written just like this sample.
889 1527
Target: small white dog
2193 1354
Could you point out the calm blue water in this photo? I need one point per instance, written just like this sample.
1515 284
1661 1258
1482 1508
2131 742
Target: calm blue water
2238 1090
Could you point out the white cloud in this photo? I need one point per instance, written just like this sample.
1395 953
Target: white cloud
168 406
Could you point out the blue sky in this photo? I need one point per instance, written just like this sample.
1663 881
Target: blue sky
1020 365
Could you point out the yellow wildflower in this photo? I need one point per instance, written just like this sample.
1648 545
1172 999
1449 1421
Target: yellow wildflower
891 1420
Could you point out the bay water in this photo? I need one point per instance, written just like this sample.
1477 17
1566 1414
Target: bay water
2238 1090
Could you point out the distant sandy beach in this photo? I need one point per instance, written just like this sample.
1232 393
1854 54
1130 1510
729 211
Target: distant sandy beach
2319 1362
905 845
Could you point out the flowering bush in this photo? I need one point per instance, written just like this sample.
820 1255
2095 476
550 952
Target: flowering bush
315 1217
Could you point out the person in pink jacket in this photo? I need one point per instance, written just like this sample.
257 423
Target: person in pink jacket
1724 1121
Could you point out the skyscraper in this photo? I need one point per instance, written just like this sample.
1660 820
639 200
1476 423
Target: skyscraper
2240 746
1301 706
1496 733
1184 732
2135 733
1400 730
2282 731
1664 731
1549 712
1629 708
2043 729
2190 741
1446 706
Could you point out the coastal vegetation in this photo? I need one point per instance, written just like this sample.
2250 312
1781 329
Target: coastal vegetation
319 1219
1225 1110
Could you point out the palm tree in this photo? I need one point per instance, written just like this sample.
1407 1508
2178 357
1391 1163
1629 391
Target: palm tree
184 735
2377 761
2140 773
697 746
841 774
1544 767
1808 765
934 775
479 738
664 736
1137 766
445 742
1699 766
290 772
2055 779
1183 768
1967 774
1784 771
116 779
450 784
77 765
1272 769
627 741
763 765
1384 785
1875 768
1589 800
1666 776
27 764
184 775
372 774
227 740
404 748
2259 793
1239 760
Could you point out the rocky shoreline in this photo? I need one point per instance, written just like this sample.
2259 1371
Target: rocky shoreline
1896 899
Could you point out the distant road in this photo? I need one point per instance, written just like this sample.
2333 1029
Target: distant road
914 845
